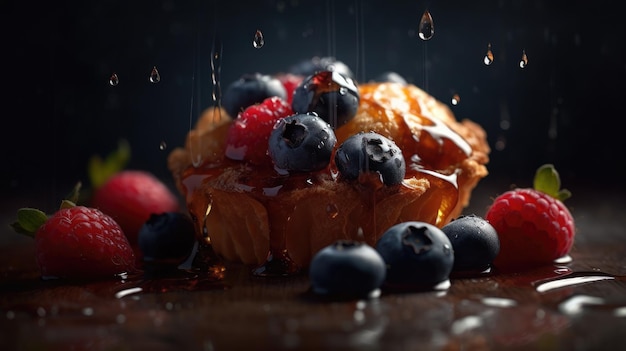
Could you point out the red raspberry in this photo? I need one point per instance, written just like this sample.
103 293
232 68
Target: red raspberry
290 82
248 136
82 242
130 197
533 225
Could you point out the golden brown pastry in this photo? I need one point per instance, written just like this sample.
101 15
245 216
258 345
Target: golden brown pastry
246 210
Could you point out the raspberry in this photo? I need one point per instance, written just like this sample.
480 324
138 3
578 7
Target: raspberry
533 225
82 242
130 197
290 82
248 136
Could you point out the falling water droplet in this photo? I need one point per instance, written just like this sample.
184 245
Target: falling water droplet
258 41
162 145
216 68
426 26
114 80
488 56
456 99
501 143
155 77
523 62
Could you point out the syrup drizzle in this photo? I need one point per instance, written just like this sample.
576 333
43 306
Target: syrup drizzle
278 262
166 278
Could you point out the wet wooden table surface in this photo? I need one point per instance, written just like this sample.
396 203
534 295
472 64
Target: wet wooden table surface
580 305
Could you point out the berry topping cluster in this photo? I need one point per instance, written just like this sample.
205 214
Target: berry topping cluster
293 127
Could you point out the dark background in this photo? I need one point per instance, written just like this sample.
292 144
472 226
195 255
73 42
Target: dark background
566 107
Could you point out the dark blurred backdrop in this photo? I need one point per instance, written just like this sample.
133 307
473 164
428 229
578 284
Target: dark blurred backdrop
566 107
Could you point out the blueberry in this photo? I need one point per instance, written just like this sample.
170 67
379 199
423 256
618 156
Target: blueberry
332 96
416 254
390 77
317 64
302 142
370 152
167 237
251 89
347 268
475 243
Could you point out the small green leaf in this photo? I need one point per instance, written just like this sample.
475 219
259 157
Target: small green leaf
17 227
100 170
29 220
67 204
564 194
548 181
74 194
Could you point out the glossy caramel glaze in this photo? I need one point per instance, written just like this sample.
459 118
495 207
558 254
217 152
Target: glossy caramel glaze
246 211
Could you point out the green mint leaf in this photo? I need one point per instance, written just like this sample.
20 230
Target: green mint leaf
29 220
17 227
564 194
548 181
100 170
67 204
74 193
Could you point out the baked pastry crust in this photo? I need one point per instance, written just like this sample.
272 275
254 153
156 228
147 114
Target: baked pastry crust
246 211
